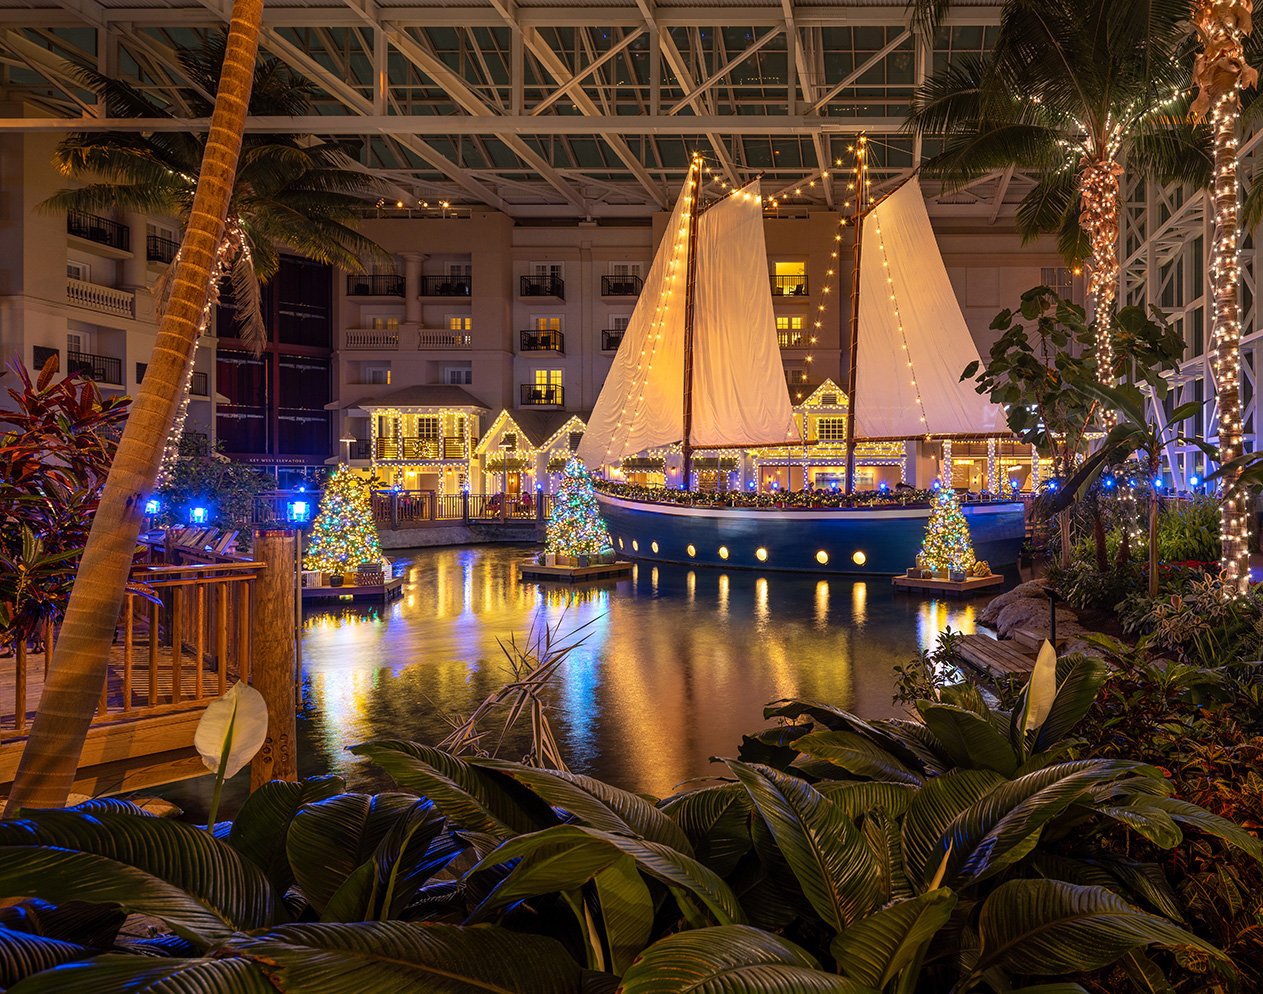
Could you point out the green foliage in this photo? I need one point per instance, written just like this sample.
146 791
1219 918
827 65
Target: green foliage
57 440
974 852
202 476
1201 622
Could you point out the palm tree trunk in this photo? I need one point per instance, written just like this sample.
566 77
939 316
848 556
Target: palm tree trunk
77 674
1220 73
1098 213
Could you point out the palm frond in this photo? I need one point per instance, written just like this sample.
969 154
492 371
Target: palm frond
1044 209
247 302
1172 149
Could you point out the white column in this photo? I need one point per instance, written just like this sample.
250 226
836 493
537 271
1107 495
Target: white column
412 287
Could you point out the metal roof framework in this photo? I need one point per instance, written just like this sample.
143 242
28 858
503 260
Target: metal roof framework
540 108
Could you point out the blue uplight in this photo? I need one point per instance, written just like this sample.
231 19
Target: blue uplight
298 511
1194 480
935 485
1108 483
199 515
153 505
1131 482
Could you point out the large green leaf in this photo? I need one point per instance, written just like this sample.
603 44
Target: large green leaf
1076 690
732 959
595 803
470 798
328 839
390 957
22 954
876 949
828 856
58 875
717 822
143 975
860 797
969 740
259 830
594 850
935 806
626 911
1191 816
179 854
908 741
857 755
1046 928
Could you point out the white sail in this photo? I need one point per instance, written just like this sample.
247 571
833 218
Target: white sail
913 340
739 394
641 404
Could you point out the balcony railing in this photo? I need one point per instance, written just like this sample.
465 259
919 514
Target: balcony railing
543 341
104 368
370 339
789 286
368 285
448 447
200 385
535 395
159 249
98 229
543 286
444 340
791 339
105 299
361 448
621 286
611 340
446 286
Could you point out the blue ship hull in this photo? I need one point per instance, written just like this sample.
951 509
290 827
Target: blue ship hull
872 541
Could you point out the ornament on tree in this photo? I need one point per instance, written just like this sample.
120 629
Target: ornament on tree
344 534
575 527
947 545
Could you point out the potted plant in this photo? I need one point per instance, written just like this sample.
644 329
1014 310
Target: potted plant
335 579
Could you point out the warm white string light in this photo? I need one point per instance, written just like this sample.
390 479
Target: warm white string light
903 337
946 469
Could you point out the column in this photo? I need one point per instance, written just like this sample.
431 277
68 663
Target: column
412 287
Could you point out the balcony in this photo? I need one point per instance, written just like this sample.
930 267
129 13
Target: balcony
543 341
159 249
107 300
99 229
789 286
538 395
611 340
368 285
200 385
543 286
371 340
792 339
103 368
439 340
621 286
448 447
446 286
361 448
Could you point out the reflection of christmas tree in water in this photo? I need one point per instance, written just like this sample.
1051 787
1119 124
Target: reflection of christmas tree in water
575 527
947 544
344 534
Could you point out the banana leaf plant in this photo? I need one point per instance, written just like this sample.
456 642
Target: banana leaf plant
962 852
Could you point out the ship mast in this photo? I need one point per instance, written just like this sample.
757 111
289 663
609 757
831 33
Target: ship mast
686 438
861 199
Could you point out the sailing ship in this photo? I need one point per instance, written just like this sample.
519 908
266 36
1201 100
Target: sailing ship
699 367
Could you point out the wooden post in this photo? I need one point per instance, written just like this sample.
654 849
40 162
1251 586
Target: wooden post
272 667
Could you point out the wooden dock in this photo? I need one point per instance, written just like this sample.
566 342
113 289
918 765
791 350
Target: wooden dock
955 588
998 659
531 570
383 592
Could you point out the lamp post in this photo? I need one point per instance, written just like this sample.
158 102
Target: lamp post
298 513
346 441
504 479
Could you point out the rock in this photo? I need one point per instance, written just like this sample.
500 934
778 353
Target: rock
1029 590
1032 615
160 807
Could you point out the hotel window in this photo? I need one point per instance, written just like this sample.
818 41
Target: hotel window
546 269
789 331
789 279
461 376
460 322
575 438
377 374
1059 279
795 377
459 270
619 322
543 322
548 377
388 322
79 271
429 426
831 429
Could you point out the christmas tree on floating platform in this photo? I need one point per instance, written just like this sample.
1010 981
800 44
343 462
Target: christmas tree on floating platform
947 545
344 534
575 527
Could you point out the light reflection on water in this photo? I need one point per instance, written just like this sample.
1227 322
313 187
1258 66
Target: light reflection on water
677 663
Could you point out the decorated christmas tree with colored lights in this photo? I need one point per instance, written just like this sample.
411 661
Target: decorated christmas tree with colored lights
344 534
575 527
947 545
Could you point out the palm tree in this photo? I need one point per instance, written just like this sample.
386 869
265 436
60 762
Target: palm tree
1220 73
77 674
291 191
1072 90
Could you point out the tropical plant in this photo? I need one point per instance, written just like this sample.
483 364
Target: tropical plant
966 851
201 474
73 684
1202 621
58 438
1071 90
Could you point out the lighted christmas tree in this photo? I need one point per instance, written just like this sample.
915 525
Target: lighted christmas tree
947 544
575 527
344 534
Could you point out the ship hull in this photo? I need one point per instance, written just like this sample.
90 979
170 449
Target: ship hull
871 541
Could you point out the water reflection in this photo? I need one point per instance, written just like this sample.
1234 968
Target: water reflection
675 664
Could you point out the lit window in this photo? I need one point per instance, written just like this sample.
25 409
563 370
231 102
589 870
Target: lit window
831 429
460 322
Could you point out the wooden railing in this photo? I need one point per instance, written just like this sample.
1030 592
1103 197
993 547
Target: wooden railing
173 652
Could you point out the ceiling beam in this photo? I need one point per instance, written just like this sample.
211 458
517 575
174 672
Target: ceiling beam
852 77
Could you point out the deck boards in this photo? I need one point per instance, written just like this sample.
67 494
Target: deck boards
998 659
